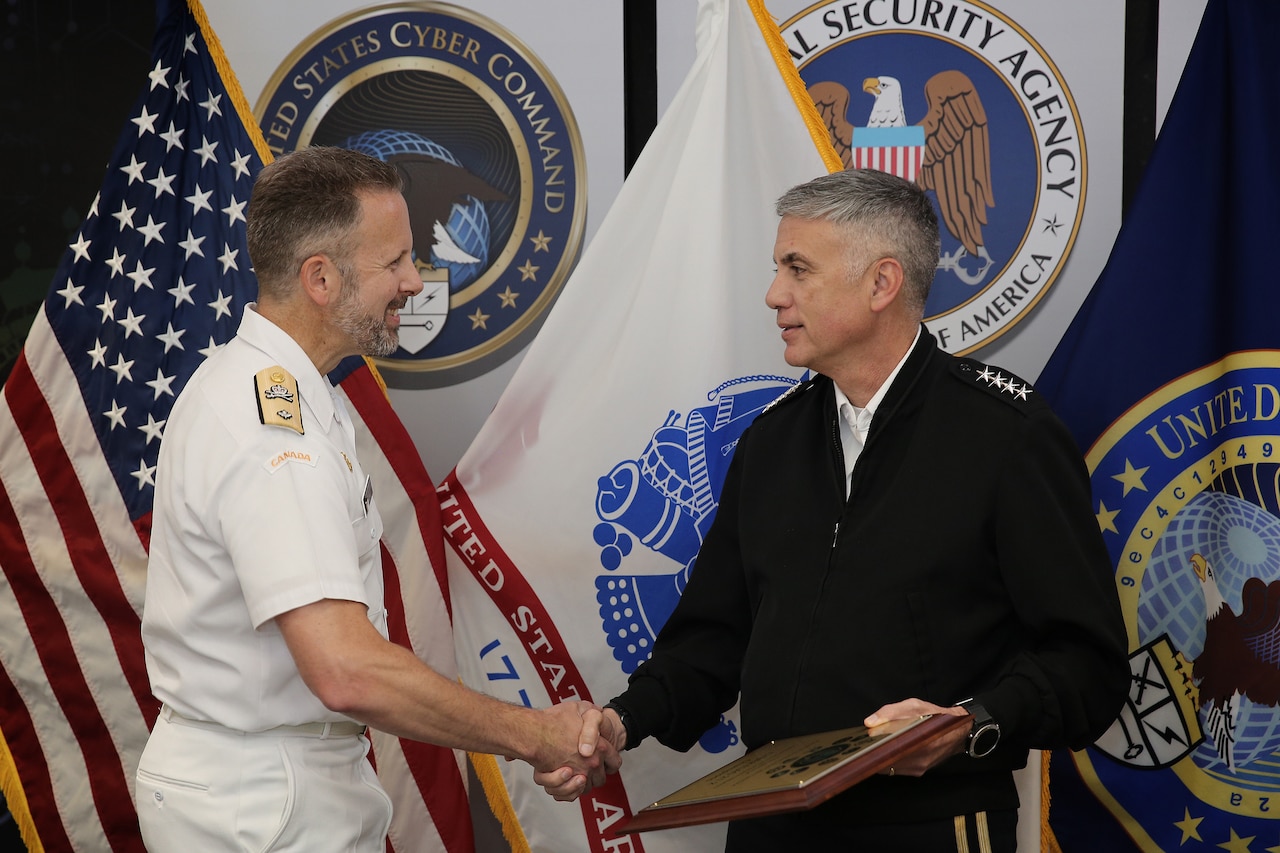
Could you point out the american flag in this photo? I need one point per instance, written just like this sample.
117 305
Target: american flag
155 279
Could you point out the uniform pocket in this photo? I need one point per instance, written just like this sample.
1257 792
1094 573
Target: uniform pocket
260 817
367 530
337 802
174 814
163 783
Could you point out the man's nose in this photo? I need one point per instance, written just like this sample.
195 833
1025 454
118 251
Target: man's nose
775 296
412 283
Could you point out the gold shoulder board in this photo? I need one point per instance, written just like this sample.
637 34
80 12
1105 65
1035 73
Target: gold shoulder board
278 403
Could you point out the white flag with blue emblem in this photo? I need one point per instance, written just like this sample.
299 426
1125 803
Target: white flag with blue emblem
576 514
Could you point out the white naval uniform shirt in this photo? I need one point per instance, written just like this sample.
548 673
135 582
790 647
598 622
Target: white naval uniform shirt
251 521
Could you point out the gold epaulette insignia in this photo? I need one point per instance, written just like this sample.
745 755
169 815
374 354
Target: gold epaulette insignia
278 403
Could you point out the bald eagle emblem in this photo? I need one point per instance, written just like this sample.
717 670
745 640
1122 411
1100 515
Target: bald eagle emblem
1241 656
958 98
947 151
439 191
432 185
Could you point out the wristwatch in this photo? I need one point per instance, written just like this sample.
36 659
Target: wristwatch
985 733
628 725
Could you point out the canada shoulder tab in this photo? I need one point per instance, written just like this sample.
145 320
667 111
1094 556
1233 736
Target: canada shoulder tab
277 395
997 382
791 393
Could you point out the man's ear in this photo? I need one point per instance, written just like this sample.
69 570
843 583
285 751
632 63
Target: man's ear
320 279
886 285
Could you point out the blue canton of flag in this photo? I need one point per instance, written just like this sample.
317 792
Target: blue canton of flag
158 274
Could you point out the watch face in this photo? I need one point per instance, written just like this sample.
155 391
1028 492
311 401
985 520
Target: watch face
984 740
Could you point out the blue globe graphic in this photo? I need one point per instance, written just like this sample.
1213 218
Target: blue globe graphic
1240 540
468 223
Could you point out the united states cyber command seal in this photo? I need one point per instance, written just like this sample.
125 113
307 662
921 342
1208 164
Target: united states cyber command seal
491 157
1187 491
956 96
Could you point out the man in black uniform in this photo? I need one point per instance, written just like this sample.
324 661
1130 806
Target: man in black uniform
906 533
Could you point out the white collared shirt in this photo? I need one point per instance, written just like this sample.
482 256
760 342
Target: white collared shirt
251 521
855 422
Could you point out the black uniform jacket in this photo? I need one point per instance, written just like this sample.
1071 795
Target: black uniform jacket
966 562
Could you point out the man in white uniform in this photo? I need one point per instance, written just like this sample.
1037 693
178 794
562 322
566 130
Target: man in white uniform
264 625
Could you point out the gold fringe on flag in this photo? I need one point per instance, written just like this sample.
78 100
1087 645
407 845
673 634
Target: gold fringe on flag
499 799
232 83
799 92
377 376
1048 841
16 798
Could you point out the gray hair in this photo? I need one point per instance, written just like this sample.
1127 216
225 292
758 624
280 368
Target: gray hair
884 215
306 203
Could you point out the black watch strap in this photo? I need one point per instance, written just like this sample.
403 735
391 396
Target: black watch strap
984 736
628 725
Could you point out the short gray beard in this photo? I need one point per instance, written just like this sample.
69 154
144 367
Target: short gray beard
371 334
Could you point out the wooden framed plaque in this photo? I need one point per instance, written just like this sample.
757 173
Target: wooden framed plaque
793 774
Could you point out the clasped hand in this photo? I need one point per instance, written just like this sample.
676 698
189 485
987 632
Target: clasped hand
591 756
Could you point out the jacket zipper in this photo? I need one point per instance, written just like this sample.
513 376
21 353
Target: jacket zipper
840 477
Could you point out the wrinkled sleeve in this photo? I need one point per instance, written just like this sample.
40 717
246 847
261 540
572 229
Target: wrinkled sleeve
1069 682
693 675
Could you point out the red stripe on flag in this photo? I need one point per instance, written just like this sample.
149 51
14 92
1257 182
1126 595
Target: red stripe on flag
32 767
903 161
475 545
93 565
394 441
62 668
434 768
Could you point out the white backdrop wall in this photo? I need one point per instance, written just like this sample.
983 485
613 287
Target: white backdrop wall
580 42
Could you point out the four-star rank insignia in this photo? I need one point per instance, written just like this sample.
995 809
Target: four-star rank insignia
278 403
993 380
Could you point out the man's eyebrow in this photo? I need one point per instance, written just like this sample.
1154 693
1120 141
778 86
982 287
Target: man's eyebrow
790 257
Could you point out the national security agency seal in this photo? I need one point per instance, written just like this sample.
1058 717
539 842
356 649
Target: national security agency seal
1187 485
491 157
960 99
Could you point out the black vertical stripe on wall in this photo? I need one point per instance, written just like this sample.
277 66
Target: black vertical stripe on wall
1141 36
639 76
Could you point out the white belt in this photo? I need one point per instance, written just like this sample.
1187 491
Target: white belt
342 728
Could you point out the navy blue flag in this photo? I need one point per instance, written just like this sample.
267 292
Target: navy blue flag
155 278
1169 377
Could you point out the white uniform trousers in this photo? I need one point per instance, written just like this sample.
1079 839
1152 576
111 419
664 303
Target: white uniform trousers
204 787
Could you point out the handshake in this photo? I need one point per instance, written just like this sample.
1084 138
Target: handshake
580 745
